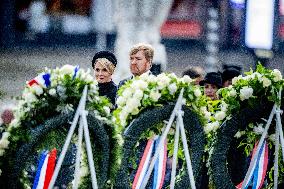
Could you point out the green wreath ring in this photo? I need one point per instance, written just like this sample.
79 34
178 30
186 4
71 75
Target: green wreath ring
18 159
147 120
225 174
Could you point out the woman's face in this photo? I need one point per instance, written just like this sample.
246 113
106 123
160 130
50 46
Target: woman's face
210 91
101 73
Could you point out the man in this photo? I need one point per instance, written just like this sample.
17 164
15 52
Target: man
141 57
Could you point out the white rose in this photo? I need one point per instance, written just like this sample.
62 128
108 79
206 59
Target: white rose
220 115
277 75
4 143
138 94
172 88
207 115
155 95
233 92
266 82
120 101
238 134
258 130
127 93
37 89
197 92
52 92
29 97
224 106
236 79
187 79
140 84
208 128
67 69
245 93
135 111
2 152
5 135
106 109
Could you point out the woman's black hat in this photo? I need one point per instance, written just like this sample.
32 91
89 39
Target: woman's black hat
230 71
105 54
212 78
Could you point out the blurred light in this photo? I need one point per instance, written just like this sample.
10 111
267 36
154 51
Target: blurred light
259 24
238 4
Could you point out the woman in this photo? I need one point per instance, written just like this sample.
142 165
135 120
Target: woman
212 82
104 63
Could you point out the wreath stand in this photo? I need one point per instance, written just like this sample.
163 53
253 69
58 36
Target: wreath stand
278 135
177 112
83 126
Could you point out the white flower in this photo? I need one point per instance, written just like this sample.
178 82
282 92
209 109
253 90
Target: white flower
67 69
120 101
236 79
5 135
245 93
127 93
155 95
266 82
277 75
172 88
4 143
139 84
163 80
233 92
187 79
2 152
224 106
29 97
37 89
52 92
258 130
207 115
220 115
211 127
197 92
238 134
138 94
106 109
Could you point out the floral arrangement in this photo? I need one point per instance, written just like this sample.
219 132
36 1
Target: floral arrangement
245 91
53 92
144 99
149 90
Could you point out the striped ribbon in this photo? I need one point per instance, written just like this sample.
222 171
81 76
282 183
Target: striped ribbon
160 166
257 176
144 164
45 169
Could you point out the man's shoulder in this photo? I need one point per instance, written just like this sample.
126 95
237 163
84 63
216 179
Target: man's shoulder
122 82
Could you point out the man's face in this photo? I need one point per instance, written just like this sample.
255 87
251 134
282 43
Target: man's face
139 64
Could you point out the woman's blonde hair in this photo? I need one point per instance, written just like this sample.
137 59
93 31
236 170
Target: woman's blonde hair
106 64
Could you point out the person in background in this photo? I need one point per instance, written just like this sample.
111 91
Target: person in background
196 73
212 82
6 117
141 57
229 72
104 63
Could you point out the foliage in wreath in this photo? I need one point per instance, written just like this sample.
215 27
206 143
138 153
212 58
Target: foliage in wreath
247 91
52 92
147 92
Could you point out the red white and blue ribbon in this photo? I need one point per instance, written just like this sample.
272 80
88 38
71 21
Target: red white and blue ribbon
160 166
259 169
42 79
45 169
143 165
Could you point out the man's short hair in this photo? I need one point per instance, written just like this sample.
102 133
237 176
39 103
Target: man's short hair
146 48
